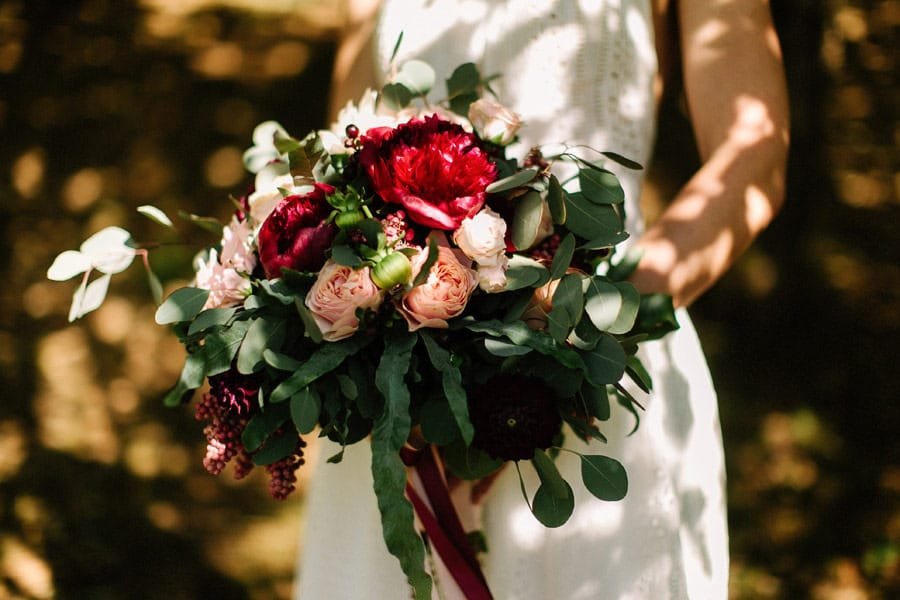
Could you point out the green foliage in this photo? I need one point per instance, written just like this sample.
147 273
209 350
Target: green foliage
182 305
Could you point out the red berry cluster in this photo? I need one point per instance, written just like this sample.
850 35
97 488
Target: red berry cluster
546 250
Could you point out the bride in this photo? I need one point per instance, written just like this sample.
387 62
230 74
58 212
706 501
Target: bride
590 72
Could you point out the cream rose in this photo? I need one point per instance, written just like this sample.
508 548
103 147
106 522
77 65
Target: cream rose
443 295
483 239
334 298
494 122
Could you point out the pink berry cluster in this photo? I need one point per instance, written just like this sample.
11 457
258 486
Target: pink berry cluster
397 230
227 408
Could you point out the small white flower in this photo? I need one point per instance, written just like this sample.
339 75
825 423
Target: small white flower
494 122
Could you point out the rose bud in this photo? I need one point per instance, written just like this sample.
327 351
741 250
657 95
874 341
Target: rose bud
393 269
434 168
296 234
483 239
494 122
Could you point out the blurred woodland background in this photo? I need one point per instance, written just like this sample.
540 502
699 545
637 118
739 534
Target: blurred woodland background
106 105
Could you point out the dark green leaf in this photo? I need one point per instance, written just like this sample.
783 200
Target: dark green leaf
211 318
451 381
601 186
192 374
563 257
637 372
348 387
460 104
568 302
324 360
279 361
525 272
221 346
400 536
305 409
438 425
393 425
550 509
261 426
276 447
515 180
464 80
266 332
345 255
656 316
182 305
396 96
499 347
527 219
519 333
589 221
309 322
396 48
625 162
604 364
556 201
549 475
631 302
596 400
468 462
604 477
210 224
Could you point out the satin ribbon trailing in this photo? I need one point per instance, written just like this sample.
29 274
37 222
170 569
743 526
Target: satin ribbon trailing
442 524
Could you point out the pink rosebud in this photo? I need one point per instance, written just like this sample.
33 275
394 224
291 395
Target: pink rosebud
296 235
494 122
334 298
443 295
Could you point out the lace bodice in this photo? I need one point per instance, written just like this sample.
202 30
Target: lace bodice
580 72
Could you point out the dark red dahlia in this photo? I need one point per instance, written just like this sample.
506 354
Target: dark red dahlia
296 234
434 168
513 415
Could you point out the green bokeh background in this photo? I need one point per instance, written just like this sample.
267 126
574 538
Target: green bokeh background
106 105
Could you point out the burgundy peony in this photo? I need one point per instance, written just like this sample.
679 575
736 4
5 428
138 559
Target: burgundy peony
296 235
434 168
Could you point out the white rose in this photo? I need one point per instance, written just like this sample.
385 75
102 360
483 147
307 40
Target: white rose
482 237
494 122
492 278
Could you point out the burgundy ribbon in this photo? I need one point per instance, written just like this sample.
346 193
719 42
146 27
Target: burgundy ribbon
443 526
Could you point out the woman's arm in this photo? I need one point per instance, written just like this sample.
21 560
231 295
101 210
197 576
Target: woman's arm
737 99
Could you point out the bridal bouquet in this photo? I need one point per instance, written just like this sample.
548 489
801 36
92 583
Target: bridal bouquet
400 280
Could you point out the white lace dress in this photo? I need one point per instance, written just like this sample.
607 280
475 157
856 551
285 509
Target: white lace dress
579 71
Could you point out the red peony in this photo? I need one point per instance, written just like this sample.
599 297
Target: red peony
433 168
296 234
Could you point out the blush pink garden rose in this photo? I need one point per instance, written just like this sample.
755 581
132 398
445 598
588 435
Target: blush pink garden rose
296 234
335 297
483 239
494 122
444 295
434 168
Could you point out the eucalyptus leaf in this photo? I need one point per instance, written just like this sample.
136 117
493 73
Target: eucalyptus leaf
595 222
525 272
279 361
468 462
156 288
265 332
182 305
261 426
89 298
396 96
209 318
155 214
596 400
192 375
68 264
464 80
631 302
220 347
551 510
563 257
519 333
306 406
556 201
601 186
210 224
605 364
278 446
636 371
604 477
526 221
499 347
603 303
516 180
417 76
348 387
309 322
622 160
549 474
